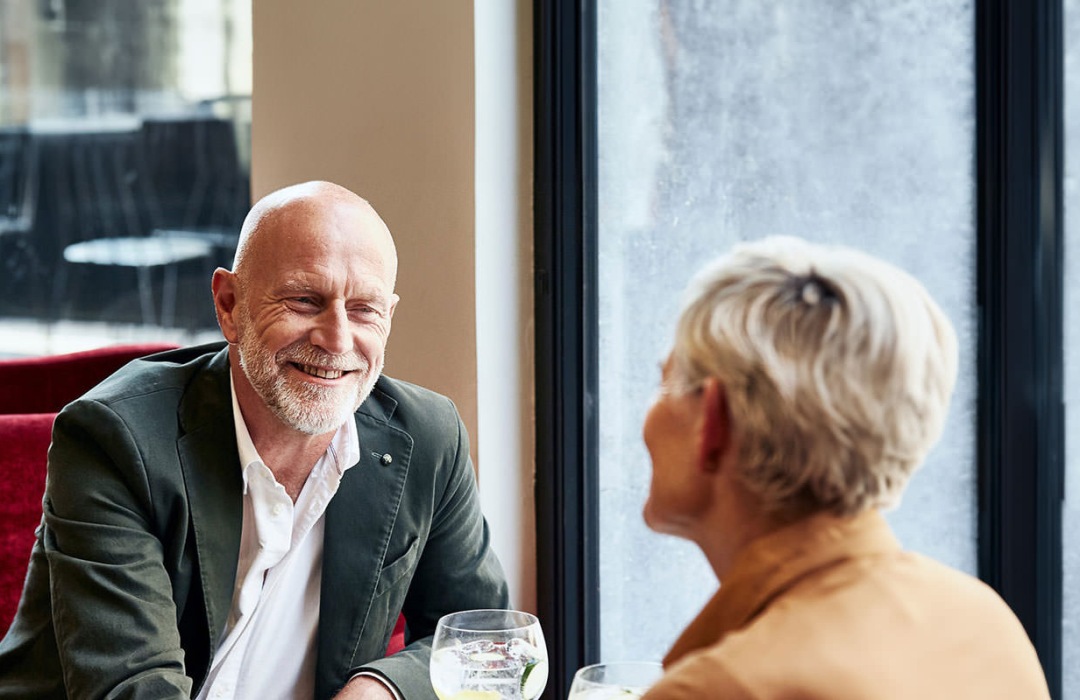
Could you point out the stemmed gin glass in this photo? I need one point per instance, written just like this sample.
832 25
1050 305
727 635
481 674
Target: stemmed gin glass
625 680
489 655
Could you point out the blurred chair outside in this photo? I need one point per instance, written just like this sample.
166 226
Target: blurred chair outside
194 169
19 262
108 203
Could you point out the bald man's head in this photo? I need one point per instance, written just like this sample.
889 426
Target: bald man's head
307 307
300 210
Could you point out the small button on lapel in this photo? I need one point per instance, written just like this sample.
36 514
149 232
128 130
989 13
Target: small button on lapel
386 459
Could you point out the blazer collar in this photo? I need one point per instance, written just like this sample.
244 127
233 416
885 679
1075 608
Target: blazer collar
359 522
210 461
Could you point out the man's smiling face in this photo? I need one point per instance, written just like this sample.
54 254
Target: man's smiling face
314 300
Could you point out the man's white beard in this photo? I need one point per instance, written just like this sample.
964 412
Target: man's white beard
309 408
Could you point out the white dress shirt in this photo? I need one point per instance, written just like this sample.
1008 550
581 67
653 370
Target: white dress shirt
267 649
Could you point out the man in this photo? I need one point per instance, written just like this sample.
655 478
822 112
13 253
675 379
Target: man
247 522
805 386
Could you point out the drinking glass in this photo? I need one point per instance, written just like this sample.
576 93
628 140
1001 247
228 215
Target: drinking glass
488 655
622 680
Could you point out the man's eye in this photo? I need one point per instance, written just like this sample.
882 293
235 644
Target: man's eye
303 302
365 311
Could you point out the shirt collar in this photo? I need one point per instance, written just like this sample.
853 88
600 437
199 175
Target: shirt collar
772 564
344 449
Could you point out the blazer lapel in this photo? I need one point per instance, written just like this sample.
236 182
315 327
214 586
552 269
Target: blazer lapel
211 464
359 521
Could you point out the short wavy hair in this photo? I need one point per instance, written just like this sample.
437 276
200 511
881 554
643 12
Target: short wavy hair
838 369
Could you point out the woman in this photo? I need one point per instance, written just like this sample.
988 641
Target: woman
805 385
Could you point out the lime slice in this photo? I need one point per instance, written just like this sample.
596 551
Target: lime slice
533 679
486 656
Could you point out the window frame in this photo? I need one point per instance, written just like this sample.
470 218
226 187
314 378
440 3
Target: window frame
565 308
1020 147
1018 175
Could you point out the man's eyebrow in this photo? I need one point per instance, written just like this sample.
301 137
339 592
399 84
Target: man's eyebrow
369 297
296 287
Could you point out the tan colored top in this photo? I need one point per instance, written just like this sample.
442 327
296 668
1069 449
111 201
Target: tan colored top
834 608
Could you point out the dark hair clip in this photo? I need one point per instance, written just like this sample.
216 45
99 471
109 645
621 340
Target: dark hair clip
812 290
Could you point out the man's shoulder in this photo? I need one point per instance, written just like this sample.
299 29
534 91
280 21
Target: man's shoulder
410 406
402 395
160 374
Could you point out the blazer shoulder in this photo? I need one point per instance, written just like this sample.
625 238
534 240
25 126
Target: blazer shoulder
410 406
172 369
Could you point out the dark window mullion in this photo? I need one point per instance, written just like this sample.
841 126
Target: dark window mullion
1019 116
566 325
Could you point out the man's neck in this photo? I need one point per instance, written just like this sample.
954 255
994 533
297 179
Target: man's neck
289 454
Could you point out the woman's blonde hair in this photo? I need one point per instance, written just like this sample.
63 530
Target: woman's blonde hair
837 367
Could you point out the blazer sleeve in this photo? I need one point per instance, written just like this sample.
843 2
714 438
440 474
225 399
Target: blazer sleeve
458 569
114 617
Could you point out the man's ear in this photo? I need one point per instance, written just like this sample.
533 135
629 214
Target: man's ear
223 287
716 424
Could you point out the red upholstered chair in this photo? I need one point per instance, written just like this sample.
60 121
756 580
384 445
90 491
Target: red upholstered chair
47 384
32 392
24 440
397 638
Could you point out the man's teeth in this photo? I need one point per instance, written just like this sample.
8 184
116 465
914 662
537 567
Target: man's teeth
321 373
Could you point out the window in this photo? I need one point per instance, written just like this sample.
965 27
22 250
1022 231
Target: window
1071 586
124 149
929 133
699 116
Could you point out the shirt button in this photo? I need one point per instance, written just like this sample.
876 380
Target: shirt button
277 510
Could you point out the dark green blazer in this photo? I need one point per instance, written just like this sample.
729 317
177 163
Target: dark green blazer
131 579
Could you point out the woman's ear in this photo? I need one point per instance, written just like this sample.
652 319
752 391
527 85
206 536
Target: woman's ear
716 425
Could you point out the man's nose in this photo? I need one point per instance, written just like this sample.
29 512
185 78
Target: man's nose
332 330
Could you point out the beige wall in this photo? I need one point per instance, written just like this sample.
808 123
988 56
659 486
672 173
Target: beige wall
386 98
378 96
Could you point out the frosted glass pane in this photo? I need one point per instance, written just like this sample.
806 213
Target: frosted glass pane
721 121
1071 522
